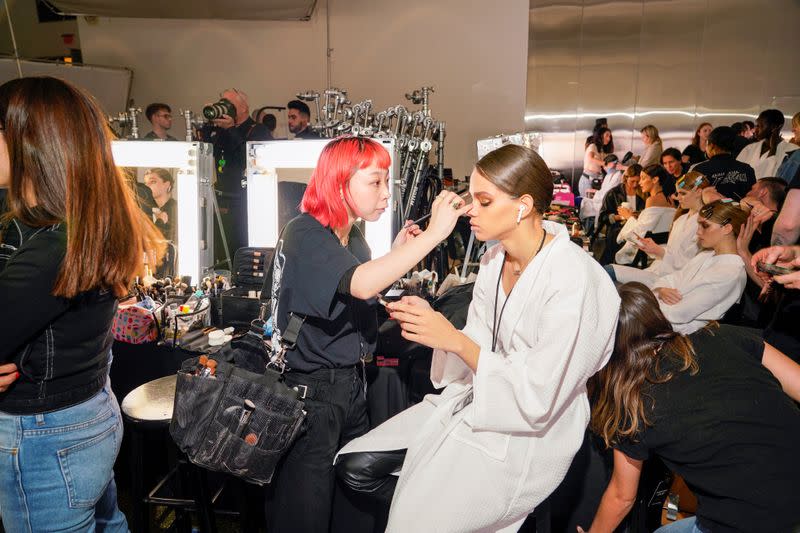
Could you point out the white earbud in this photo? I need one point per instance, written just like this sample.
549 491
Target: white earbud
519 215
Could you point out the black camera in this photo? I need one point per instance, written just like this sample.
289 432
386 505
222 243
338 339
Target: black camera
216 110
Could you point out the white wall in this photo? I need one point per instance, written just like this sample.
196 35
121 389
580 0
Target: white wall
473 52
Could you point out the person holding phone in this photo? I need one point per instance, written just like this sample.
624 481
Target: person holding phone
501 436
324 276
656 217
681 244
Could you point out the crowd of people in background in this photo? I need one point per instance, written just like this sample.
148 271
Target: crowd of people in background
687 223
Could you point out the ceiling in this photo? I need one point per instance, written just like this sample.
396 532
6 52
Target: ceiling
191 9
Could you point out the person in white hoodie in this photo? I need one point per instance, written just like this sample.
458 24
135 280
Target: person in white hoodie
770 150
714 280
499 439
681 246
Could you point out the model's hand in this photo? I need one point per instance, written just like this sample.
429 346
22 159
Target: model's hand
421 324
408 233
445 210
745 236
8 375
224 122
624 212
668 295
649 246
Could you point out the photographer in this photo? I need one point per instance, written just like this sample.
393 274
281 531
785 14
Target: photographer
229 129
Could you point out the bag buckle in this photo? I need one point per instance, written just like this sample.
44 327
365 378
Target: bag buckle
302 389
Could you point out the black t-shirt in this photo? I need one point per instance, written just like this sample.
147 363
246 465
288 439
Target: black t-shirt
339 328
308 133
732 178
731 432
696 155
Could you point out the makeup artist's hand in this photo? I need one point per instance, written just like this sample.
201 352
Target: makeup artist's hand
421 324
445 210
8 375
409 232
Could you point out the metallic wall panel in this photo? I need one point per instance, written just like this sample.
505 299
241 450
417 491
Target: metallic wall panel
671 63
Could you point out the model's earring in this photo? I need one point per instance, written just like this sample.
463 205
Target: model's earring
519 214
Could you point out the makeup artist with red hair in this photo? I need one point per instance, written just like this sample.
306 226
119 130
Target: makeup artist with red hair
323 273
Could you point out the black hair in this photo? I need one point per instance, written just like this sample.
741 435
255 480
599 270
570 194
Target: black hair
270 122
723 137
737 127
672 152
749 123
300 106
665 179
154 108
773 118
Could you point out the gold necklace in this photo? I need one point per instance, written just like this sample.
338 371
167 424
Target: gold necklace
518 271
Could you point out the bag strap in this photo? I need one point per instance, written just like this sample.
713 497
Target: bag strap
287 339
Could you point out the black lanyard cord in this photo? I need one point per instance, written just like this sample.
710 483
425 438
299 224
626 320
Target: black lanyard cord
495 320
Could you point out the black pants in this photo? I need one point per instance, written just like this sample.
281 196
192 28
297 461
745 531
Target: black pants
302 495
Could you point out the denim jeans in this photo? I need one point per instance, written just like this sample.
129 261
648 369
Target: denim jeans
56 468
610 271
687 525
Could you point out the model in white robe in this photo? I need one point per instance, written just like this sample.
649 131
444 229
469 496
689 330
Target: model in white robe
709 285
681 247
486 466
652 219
765 165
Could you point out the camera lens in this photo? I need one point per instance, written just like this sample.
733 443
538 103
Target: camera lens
218 109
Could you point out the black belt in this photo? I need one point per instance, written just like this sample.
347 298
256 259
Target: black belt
315 384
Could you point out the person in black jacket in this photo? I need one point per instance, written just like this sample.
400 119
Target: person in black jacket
80 241
230 135
614 213
731 178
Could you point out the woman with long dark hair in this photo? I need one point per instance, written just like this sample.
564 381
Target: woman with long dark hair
658 186
710 406
696 151
324 277
83 242
499 439
593 158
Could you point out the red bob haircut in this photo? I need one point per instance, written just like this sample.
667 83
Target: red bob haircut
339 160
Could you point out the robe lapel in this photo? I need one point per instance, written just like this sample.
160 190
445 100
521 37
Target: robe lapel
528 287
